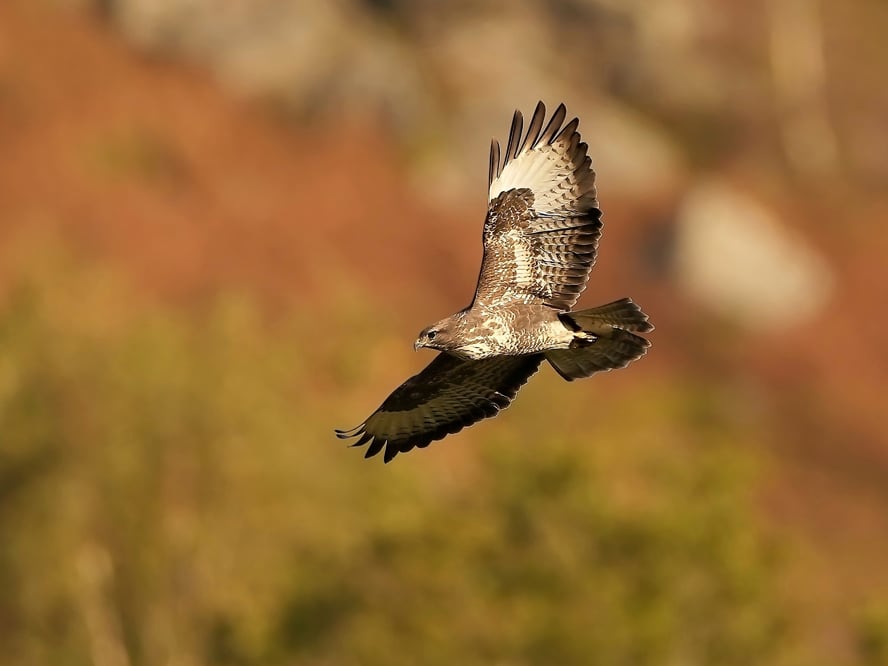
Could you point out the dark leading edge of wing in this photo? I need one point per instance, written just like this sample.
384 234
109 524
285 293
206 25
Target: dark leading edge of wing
447 396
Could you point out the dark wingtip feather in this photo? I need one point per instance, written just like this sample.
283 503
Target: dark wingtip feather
494 169
535 135
533 129
514 137
548 134
366 437
569 130
351 432
390 453
375 447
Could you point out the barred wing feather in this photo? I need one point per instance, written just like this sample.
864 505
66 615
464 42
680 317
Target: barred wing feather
447 396
543 223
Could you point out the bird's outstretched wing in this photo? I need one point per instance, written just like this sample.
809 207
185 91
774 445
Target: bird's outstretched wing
448 395
543 223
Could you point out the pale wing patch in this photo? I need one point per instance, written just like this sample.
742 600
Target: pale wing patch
550 161
526 270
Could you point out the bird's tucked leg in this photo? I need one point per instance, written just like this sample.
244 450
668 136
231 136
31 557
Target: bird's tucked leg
582 339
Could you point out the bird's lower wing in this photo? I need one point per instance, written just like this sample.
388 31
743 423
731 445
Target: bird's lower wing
448 395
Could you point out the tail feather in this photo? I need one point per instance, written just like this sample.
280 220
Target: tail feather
623 314
617 351
611 341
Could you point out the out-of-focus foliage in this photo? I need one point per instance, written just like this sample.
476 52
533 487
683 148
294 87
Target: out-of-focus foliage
171 491
872 634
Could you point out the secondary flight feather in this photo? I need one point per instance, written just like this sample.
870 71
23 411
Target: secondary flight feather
540 239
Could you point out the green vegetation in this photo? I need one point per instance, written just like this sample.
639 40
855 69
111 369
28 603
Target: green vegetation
872 634
171 492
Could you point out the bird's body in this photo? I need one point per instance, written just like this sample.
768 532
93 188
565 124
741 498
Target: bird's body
512 330
540 243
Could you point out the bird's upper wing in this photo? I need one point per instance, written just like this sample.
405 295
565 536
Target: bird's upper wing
543 223
448 395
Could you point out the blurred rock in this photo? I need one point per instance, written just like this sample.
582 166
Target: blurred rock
316 57
630 155
442 77
733 255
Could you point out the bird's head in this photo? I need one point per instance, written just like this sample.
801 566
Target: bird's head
437 336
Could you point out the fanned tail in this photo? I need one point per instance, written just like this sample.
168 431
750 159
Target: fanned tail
606 339
623 314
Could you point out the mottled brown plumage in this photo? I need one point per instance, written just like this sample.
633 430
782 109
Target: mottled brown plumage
540 243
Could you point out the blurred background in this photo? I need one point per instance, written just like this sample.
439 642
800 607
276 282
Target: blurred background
222 224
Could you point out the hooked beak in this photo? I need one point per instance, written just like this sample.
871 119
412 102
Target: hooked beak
418 345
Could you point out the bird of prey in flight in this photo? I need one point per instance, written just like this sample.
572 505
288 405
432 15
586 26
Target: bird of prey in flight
540 243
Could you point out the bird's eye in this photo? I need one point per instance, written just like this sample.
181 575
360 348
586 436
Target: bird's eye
432 334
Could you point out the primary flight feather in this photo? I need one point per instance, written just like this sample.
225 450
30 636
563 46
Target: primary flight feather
540 242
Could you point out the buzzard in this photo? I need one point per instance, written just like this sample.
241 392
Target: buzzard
540 243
